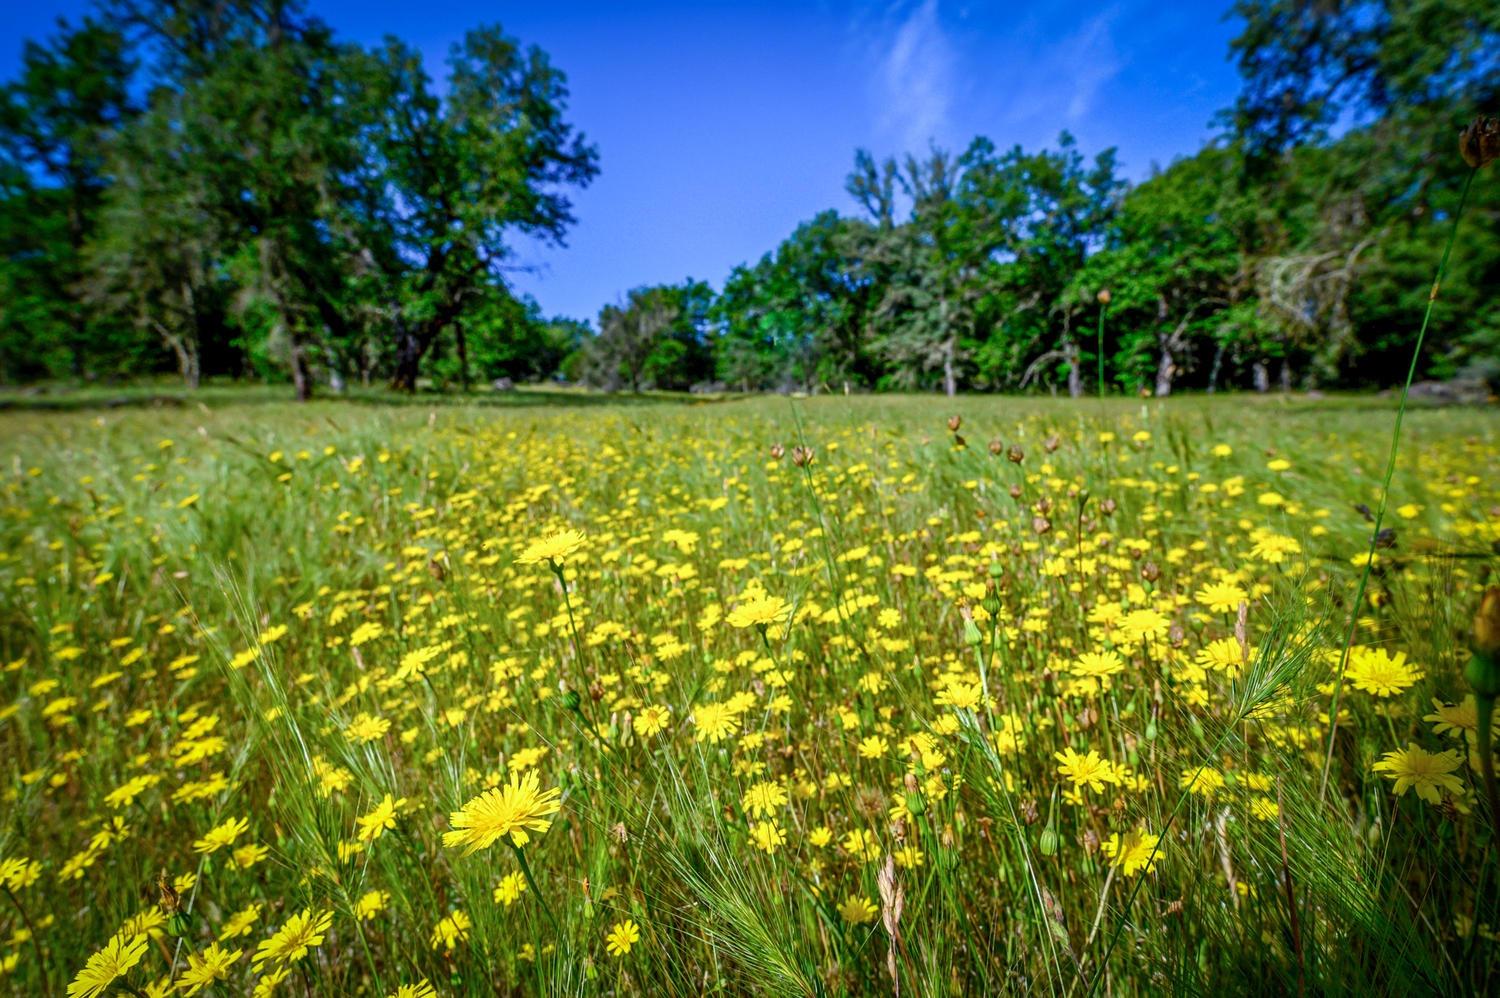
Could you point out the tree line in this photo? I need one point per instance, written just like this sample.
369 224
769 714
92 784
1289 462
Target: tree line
225 188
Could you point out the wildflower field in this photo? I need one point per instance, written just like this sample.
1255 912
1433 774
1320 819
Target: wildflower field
823 697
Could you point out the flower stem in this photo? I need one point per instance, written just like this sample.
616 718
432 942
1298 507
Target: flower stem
1485 709
1385 487
530 880
1100 351
36 940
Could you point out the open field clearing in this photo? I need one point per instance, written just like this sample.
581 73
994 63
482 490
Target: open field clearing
772 696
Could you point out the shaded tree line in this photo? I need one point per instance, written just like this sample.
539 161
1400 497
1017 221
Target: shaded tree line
226 188
226 185
1294 250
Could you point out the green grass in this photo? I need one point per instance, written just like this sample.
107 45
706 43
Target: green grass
409 514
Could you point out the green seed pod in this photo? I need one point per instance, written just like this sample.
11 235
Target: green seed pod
1050 841
915 804
972 637
996 570
1487 624
1483 674
571 700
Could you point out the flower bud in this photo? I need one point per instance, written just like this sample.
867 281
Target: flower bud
1016 454
954 422
1487 623
1479 144
1483 674
1103 296
1050 841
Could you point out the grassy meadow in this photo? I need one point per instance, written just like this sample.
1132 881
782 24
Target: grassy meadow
822 697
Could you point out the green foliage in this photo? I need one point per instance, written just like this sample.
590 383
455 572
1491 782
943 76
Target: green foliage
1284 251
282 201
227 188
56 122
796 318
657 338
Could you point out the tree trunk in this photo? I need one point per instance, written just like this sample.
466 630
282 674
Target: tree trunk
1075 370
191 368
1286 375
184 350
1213 374
1166 370
950 375
463 356
409 350
1261 376
301 376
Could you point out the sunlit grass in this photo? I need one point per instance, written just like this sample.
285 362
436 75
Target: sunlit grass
1063 706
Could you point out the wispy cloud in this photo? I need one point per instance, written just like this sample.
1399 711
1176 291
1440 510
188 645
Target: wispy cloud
915 77
1091 60
1056 82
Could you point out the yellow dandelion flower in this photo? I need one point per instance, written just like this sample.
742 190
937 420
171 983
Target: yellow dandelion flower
858 910
1430 774
1376 671
767 836
421 989
759 610
383 818
622 936
204 967
501 813
1090 770
1132 852
715 721
510 889
451 929
652 720
763 798
552 548
221 836
1454 719
302 932
111 962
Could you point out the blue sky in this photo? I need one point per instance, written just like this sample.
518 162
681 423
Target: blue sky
721 126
